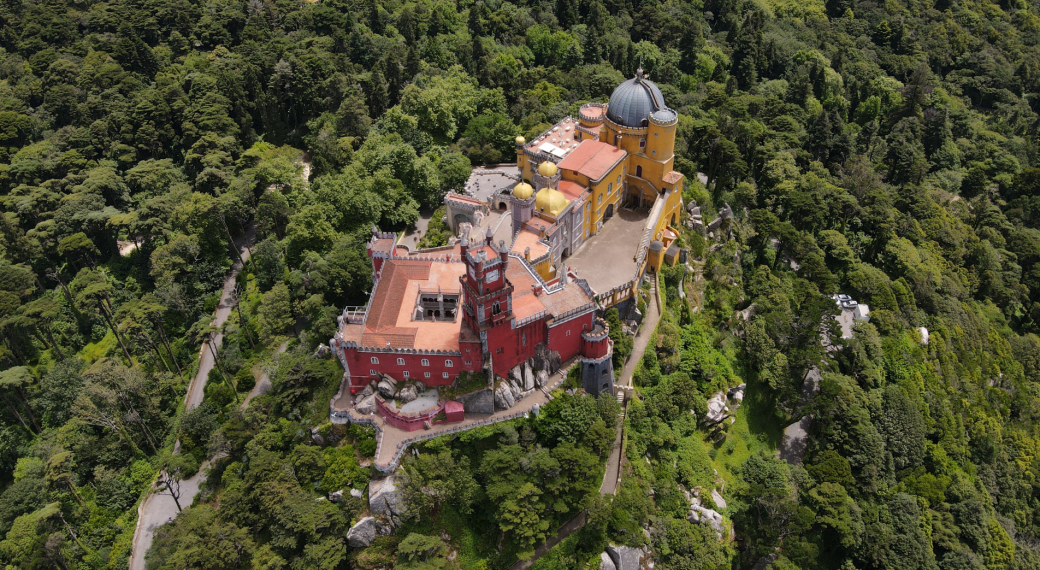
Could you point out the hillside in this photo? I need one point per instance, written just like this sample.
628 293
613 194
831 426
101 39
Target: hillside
887 151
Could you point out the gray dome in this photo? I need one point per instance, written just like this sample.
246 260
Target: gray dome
633 101
664 116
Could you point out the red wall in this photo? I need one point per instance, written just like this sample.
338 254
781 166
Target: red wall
360 364
595 348
514 351
569 345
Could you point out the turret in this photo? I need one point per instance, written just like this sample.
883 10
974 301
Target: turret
597 366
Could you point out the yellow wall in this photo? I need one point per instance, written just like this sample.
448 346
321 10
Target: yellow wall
660 142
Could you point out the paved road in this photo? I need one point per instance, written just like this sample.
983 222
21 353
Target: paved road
156 510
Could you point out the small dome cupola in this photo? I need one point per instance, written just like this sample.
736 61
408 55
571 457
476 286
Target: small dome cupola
634 101
547 169
523 191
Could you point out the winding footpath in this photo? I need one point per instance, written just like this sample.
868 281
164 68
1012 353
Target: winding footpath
612 474
158 509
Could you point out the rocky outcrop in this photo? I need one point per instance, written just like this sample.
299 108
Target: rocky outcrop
407 394
545 359
541 378
717 409
716 498
626 557
736 394
363 533
368 391
366 405
528 383
384 498
420 386
479 402
702 515
387 386
504 396
516 375
605 563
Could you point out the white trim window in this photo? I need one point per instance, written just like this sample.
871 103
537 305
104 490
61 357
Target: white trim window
426 362
400 362
426 374
405 374
374 360
642 143
444 375
448 364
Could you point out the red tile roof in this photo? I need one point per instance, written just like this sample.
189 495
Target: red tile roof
593 159
572 190
672 177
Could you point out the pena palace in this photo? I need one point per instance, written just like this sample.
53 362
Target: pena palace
484 304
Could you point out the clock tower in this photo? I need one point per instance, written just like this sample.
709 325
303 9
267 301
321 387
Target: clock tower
487 295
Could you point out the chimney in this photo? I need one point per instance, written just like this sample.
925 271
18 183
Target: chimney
489 235
527 253
617 140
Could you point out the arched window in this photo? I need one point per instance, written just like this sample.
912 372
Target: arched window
400 362
374 360
639 171
425 362
448 364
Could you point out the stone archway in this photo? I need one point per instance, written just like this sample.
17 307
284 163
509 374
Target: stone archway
609 213
462 219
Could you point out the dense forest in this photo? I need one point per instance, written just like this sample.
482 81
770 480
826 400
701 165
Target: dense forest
885 150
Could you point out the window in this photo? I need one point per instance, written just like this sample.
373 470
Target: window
496 308
523 339
469 363
655 134
639 171
619 179
375 360
642 143
499 351
400 362
577 136
406 374
372 372
610 187
568 333
448 364
426 374
444 374
425 362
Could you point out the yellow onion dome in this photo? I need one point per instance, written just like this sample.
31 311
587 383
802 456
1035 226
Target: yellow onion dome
551 201
523 191
547 169
520 140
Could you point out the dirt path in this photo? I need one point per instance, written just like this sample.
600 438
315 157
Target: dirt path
646 332
612 475
263 381
158 509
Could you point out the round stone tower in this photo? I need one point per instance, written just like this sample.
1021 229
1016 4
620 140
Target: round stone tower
597 366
